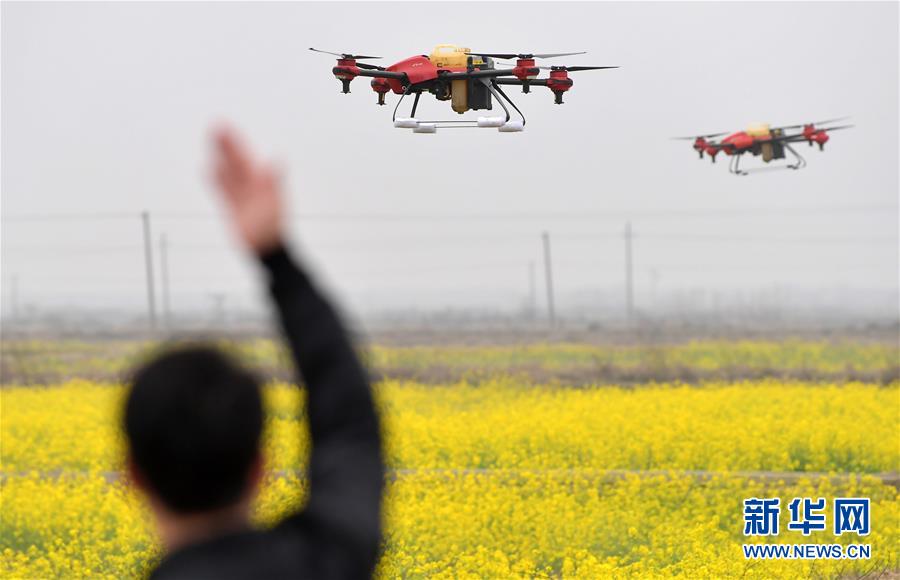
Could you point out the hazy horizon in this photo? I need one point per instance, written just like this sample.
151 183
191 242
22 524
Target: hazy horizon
106 110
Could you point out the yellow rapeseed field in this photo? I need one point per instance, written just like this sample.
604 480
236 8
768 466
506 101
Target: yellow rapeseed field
39 360
495 480
500 424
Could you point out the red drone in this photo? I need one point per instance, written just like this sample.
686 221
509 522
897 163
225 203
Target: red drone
469 80
770 142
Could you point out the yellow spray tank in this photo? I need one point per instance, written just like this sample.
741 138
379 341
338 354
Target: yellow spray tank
757 130
451 56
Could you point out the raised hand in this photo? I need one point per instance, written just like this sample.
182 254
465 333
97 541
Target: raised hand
251 192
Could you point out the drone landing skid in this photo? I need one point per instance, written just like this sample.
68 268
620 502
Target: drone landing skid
502 124
735 163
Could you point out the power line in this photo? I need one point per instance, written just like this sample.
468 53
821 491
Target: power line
40 217
549 214
674 237
413 273
612 213
405 242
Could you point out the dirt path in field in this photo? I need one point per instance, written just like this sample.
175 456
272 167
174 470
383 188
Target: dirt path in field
584 375
534 374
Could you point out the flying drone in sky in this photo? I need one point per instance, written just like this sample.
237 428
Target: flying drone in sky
761 140
471 81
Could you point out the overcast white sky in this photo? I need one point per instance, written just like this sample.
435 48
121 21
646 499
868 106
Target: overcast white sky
106 110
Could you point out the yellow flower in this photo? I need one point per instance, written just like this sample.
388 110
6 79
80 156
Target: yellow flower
499 478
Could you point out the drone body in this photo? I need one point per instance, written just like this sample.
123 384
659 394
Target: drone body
761 140
470 81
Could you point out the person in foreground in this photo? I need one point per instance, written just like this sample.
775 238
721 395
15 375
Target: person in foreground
193 421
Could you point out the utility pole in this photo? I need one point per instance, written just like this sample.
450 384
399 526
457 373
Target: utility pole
148 263
14 297
218 299
548 272
532 294
629 275
164 275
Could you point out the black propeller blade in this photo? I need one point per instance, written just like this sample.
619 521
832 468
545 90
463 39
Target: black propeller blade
369 66
800 137
575 68
344 55
509 55
836 128
825 122
695 137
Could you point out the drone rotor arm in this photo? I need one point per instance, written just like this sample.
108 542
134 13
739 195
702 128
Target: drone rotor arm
384 74
723 146
519 83
478 74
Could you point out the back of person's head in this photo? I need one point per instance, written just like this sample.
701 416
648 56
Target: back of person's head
193 420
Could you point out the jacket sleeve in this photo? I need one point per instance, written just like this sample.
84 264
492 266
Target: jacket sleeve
346 472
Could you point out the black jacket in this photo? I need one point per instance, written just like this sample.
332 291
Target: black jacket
338 533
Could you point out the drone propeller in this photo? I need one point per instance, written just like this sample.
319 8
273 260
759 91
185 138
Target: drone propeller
369 66
836 128
799 137
344 55
825 122
695 137
509 55
574 68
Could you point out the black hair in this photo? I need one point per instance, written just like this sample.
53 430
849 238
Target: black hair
193 421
